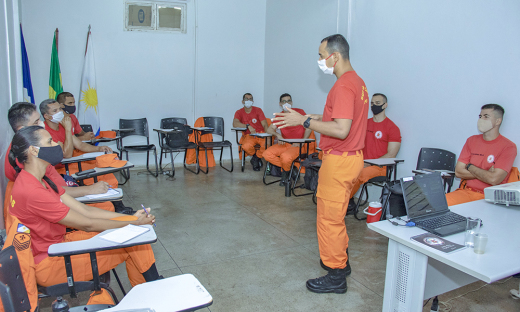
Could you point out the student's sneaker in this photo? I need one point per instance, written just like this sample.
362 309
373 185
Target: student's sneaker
334 282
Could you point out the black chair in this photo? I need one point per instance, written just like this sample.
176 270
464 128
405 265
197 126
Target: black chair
140 127
176 142
217 124
87 128
437 159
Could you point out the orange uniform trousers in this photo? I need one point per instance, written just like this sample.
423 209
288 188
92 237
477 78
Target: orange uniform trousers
282 155
51 270
337 176
366 174
463 195
248 145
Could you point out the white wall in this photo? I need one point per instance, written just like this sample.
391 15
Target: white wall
146 74
439 62
294 30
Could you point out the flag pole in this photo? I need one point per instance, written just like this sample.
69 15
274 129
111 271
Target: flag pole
88 35
57 33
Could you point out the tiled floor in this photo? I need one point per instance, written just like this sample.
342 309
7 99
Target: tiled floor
253 249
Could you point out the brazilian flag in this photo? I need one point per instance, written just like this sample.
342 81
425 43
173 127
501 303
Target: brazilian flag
55 85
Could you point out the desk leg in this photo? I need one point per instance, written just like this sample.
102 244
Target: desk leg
405 278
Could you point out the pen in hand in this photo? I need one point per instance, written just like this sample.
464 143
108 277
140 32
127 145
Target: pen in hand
147 214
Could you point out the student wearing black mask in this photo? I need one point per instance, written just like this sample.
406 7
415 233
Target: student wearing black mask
47 211
383 140
68 105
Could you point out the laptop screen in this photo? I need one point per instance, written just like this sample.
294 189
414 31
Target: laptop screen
424 195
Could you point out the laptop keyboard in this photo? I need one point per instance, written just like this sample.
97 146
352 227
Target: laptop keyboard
445 219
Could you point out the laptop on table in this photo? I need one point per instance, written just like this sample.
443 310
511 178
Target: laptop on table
427 207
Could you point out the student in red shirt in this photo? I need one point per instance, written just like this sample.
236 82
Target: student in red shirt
252 118
383 140
486 159
68 105
47 211
343 127
283 154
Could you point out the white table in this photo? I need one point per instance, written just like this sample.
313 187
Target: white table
415 272
177 293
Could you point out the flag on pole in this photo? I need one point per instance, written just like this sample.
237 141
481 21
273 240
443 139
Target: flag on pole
88 104
55 85
28 95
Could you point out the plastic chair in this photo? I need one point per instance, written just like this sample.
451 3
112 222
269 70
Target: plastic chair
140 127
217 124
176 142
437 159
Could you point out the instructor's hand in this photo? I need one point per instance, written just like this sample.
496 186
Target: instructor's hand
291 119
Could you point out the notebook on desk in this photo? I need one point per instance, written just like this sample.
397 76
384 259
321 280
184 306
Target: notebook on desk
427 207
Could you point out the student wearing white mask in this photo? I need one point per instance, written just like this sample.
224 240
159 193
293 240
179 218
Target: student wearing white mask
486 159
283 154
60 128
252 118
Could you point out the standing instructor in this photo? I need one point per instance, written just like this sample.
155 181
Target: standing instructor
343 127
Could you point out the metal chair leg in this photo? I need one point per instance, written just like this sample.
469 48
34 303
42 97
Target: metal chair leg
196 171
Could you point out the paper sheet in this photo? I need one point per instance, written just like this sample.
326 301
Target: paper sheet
95 154
125 234
110 192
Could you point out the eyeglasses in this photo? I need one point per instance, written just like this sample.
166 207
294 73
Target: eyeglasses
286 101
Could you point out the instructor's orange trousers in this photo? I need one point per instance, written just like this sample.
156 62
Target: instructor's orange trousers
282 155
248 145
366 174
337 176
51 270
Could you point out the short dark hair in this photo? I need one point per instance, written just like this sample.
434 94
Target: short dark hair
284 95
18 114
499 110
44 105
381 94
337 43
244 96
63 96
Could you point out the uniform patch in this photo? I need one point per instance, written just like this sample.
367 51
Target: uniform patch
379 134
254 120
22 229
21 241
491 159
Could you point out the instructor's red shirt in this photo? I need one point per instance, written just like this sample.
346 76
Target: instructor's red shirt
348 99
500 153
40 209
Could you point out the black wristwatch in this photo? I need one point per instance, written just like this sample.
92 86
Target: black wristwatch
247 126
307 123
467 166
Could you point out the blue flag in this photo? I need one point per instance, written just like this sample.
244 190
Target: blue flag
28 95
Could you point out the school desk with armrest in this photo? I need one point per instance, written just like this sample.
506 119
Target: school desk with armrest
214 126
289 187
78 176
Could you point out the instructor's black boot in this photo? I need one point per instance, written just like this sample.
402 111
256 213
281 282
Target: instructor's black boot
151 274
334 282
347 269
284 178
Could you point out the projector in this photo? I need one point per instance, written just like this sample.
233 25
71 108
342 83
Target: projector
507 194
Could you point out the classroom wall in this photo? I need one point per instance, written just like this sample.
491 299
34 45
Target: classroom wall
147 74
439 62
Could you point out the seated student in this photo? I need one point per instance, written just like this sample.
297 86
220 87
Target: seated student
67 104
60 128
47 211
383 140
25 114
252 118
486 159
283 154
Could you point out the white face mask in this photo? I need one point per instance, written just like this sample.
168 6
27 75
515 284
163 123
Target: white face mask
58 117
323 66
41 124
248 104
484 125
286 106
